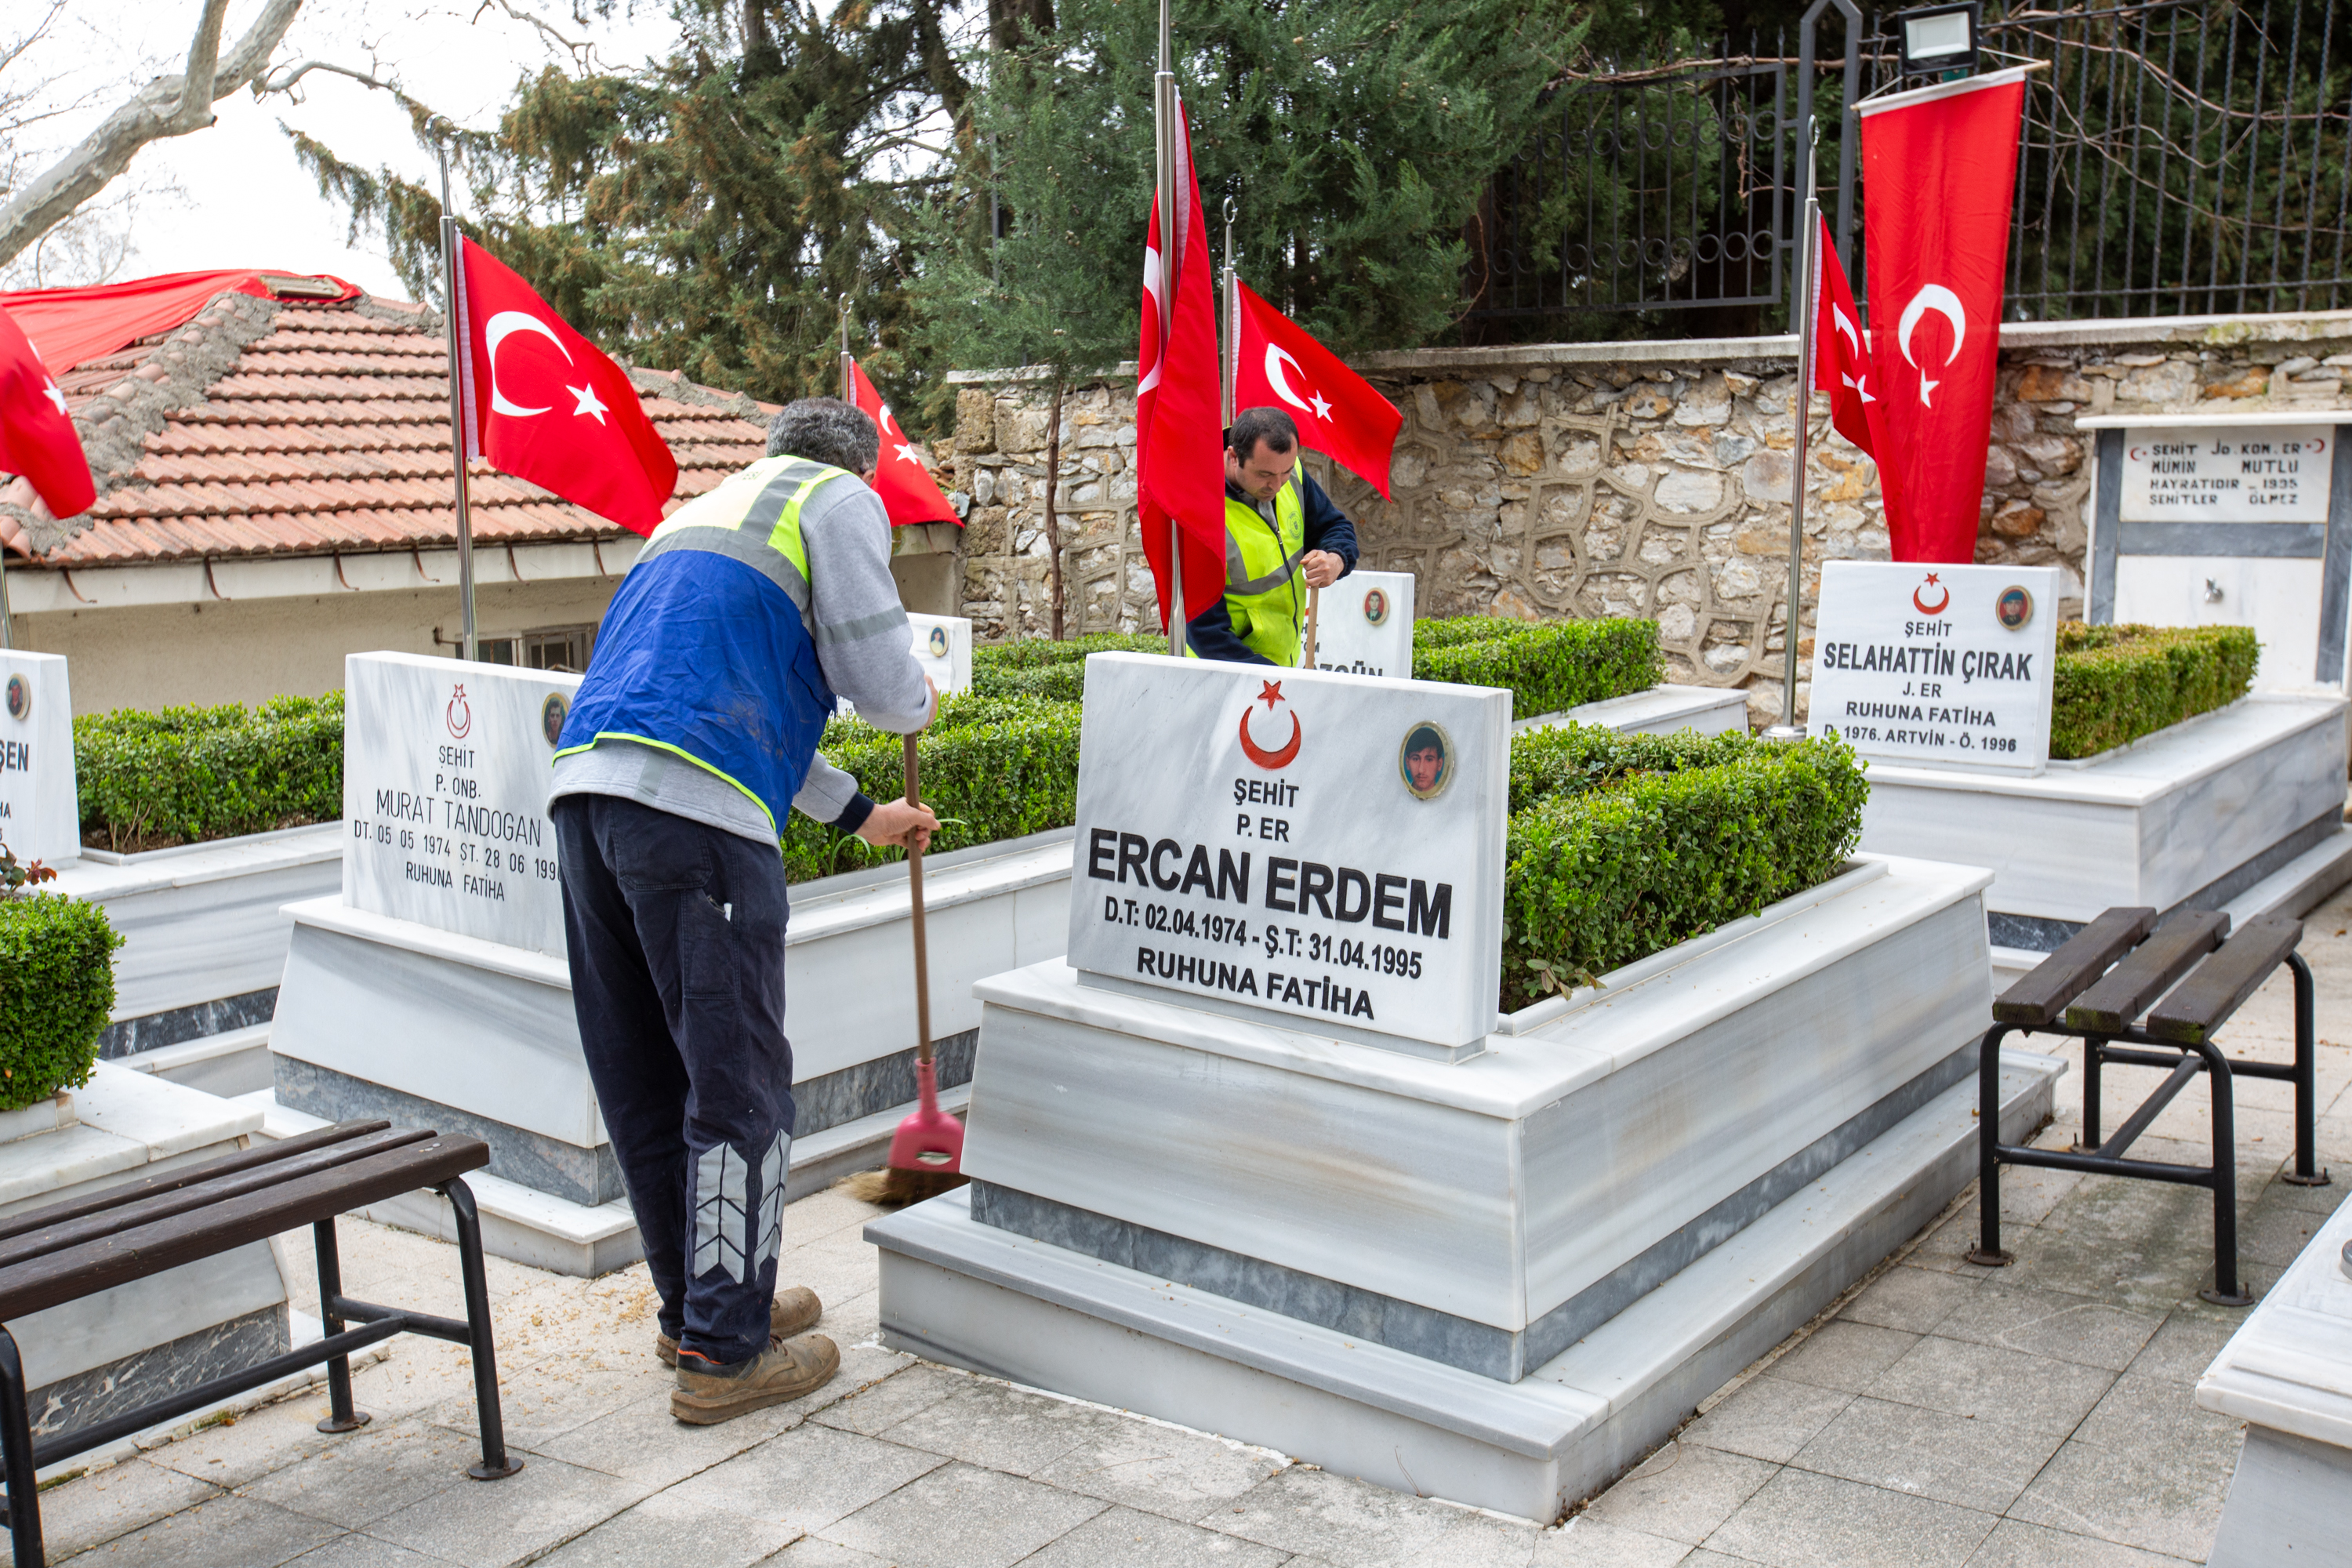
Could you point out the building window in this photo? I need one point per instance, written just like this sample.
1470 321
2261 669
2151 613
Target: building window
563 649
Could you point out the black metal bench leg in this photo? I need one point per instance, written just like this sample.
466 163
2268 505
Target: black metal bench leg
2224 1291
2092 1061
341 1416
2307 1172
497 1464
1989 1252
17 1458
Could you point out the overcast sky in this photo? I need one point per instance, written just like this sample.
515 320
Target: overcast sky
246 201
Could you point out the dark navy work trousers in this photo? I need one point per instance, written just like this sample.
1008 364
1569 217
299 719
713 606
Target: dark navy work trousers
676 932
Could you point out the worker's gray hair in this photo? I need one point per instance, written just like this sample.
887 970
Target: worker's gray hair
825 430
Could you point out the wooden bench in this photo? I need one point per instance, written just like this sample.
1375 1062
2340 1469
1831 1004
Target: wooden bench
52 1256
2104 986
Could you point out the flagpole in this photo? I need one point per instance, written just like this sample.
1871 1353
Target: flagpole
1172 256
849 388
1228 366
1802 400
468 646
7 621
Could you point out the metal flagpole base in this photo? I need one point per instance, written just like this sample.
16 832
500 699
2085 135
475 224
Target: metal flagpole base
1784 733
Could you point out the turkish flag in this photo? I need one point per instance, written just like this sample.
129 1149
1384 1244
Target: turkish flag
1180 449
1277 364
544 404
908 490
37 438
1940 167
1842 364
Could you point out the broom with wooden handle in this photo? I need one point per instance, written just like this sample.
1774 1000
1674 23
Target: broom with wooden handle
926 1151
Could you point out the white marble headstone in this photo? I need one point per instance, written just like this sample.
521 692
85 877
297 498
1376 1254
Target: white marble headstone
2241 473
1260 835
40 813
1949 664
444 795
1364 625
943 645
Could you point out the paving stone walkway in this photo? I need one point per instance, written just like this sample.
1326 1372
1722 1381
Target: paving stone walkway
1944 1415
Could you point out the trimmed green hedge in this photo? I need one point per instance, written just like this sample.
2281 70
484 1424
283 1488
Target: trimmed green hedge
185 775
1622 846
993 768
2118 683
1056 671
56 987
1548 666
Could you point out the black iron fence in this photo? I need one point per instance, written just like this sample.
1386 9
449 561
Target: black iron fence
2178 157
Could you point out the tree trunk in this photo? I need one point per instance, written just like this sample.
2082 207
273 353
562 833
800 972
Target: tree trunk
1053 494
167 106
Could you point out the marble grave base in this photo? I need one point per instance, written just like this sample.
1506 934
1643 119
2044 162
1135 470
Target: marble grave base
204 939
1660 710
380 1017
2287 1373
1455 1227
2248 800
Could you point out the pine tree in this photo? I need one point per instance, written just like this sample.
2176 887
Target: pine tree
1353 136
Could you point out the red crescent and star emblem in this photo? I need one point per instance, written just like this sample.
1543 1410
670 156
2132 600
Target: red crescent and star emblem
1921 605
459 717
1269 693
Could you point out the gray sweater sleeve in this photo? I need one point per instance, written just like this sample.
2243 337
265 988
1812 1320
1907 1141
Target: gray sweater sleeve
862 641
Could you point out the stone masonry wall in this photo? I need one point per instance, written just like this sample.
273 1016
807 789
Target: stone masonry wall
1622 479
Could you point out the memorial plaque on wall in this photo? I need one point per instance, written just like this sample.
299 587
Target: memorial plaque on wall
1327 847
1937 664
40 817
446 771
1364 625
2245 473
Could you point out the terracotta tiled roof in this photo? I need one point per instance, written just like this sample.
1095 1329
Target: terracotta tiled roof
279 427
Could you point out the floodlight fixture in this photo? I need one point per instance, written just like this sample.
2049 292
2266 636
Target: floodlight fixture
1939 39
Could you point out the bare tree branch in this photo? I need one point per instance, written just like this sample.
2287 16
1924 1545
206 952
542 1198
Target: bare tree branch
583 51
283 78
167 106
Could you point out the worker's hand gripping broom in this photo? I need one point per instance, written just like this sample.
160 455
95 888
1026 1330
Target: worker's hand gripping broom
926 1151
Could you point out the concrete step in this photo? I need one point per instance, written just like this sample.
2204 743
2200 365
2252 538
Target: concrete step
972 1296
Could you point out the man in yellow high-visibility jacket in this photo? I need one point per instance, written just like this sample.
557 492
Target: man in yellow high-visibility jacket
1282 537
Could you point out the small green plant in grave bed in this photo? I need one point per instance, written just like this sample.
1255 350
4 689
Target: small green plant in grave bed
2116 683
183 775
1623 845
1547 666
56 987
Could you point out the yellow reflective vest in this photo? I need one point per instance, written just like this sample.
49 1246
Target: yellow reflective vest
1264 594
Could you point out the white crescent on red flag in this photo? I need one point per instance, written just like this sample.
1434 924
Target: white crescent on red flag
1939 165
908 492
1180 449
544 404
1842 364
37 440
1277 364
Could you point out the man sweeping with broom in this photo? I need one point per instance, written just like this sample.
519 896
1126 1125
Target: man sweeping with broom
749 612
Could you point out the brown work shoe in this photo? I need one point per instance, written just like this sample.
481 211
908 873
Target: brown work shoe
709 1393
793 1312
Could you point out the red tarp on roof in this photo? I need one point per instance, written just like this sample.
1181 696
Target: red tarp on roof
71 326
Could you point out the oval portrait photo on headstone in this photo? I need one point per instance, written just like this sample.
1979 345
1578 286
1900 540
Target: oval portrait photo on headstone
2014 608
552 715
1376 607
1425 761
20 697
939 642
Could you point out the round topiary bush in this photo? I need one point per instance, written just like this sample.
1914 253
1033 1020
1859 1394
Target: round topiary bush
57 987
